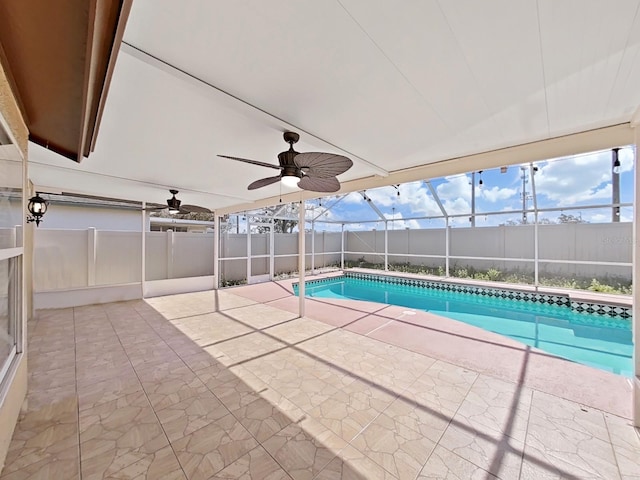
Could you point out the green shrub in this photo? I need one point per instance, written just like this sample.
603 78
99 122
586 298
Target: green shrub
231 283
604 285
461 273
494 275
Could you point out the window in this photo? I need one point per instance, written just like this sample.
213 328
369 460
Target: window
12 222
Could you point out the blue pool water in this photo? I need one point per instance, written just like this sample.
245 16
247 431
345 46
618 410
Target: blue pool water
599 341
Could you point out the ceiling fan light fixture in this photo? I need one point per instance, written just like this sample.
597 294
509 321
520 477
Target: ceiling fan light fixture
290 181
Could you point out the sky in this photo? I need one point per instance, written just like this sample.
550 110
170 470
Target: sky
576 181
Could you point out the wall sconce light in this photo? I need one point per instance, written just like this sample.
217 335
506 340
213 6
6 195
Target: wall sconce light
37 208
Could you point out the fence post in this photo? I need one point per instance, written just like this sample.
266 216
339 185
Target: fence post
342 248
636 284
536 260
248 250
301 257
447 229
386 245
272 252
216 251
91 256
313 247
170 244
143 249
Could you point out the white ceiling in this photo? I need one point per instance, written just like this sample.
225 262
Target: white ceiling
392 85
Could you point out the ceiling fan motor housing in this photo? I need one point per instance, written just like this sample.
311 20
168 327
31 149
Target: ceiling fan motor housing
287 164
173 203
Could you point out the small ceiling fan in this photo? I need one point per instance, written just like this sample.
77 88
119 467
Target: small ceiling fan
314 171
174 206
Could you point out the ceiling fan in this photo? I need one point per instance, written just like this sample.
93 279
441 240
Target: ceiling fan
314 171
174 206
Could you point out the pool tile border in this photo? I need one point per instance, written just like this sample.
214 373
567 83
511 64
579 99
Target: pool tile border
582 306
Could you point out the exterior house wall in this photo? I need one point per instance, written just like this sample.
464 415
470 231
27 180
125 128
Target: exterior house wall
60 216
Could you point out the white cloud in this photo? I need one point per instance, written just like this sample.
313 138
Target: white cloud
413 196
351 227
455 194
400 223
457 206
597 218
454 188
353 197
496 194
573 180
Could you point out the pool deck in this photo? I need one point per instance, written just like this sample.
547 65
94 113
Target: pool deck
233 384
456 342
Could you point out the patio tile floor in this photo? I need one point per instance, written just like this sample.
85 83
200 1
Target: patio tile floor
232 385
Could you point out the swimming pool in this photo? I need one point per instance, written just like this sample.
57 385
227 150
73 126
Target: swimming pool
595 335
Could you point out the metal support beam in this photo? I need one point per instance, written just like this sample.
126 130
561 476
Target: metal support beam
342 248
216 252
301 257
447 242
386 245
435 196
279 211
615 185
143 242
313 247
248 225
373 206
472 219
330 207
272 251
536 248
636 285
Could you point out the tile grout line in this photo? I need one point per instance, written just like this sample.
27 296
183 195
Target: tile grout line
380 327
401 394
286 347
449 424
526 433
75 374
155 414
447 427
230 412
615 455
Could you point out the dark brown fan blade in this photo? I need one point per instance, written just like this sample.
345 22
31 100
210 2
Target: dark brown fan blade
253 162
322 165
154 209
193 209
263 182
314 184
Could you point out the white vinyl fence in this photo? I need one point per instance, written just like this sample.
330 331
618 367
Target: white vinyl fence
67 260
104 265
580 250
